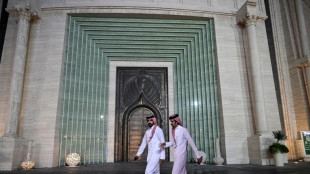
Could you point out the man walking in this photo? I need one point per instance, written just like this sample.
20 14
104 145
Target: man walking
153 137
180 137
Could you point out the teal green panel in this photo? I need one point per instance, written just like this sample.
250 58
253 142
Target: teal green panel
91 42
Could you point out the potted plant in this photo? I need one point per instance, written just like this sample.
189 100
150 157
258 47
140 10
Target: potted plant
278 147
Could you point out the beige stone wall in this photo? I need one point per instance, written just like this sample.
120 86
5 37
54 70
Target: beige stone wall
293 57
234 89
289 55
39 117
222 6
278 23
272 111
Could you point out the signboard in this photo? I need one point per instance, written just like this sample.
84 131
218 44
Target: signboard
305 135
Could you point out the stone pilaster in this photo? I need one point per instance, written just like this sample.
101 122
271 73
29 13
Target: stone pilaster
305 55
304 70
302 29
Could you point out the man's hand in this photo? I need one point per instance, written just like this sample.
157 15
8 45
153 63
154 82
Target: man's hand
161 161
162 145
199 160
136 158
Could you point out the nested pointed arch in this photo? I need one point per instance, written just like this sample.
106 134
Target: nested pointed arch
141 102
93 41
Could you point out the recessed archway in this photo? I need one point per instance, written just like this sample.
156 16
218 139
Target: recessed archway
112 96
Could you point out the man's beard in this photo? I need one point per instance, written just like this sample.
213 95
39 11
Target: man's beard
150 125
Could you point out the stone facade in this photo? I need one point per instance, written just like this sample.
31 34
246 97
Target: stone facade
39 116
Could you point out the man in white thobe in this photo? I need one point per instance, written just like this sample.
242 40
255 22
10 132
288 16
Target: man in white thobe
180 138
153 137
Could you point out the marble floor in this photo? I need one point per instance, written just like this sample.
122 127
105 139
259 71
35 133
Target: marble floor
166 168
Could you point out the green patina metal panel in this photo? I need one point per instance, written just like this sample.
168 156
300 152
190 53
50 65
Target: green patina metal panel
91 42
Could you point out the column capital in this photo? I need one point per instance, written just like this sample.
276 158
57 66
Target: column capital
248 14
25 12
249 19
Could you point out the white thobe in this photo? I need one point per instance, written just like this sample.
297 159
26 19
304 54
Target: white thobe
180 150
155 152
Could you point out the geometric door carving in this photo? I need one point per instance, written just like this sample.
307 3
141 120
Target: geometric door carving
140 92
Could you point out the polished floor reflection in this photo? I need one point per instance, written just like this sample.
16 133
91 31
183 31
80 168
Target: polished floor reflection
166 168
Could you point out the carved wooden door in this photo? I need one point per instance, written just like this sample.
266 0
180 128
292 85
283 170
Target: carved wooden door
141 92
136 130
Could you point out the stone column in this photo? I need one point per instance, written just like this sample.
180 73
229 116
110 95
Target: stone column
24 17
255 75
12 146
247 17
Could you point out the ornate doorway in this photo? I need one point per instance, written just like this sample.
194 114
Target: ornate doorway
140 92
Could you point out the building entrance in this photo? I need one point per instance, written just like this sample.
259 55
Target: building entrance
141 92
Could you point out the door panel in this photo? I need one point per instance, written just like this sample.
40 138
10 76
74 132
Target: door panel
137 126
140 92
